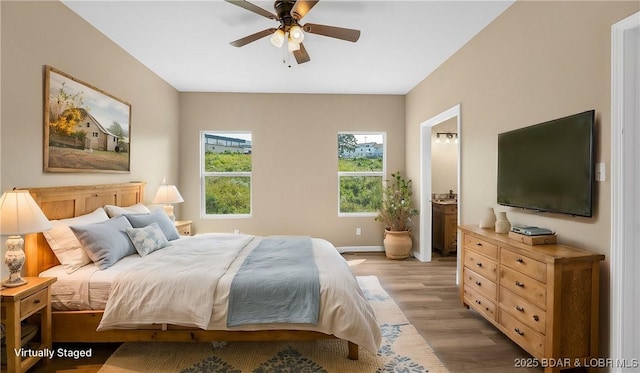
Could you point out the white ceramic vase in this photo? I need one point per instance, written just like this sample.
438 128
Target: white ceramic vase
488 219
503 225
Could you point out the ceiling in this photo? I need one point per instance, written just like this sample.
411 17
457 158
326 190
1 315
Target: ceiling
187 43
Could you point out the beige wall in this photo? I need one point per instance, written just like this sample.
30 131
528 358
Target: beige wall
35 34
444 159
537 61
295 185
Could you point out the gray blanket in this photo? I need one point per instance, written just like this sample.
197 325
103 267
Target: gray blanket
277 283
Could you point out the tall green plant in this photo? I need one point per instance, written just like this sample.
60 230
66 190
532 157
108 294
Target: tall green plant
397 206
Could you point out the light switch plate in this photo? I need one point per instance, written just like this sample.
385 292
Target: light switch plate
601 172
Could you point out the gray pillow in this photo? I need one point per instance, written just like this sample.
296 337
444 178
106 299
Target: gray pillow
166 225
148 239
105 242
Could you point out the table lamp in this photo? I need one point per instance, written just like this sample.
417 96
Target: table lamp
168 194
19 214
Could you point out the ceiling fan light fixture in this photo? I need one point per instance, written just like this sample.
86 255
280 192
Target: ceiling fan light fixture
277 38
293 46
295 34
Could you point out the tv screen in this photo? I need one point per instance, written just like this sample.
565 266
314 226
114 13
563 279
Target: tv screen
549 166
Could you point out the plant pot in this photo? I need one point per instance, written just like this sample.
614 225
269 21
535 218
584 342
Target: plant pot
397 244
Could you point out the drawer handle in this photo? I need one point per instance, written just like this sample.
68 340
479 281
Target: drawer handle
519 308
478 301
36 301
478 283
478 243
518 331
536 318
520 260
479 264
520 284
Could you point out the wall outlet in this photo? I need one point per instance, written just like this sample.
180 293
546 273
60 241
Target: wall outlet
358 231
236 231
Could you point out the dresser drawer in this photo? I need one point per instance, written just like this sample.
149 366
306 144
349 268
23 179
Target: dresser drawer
480 284
482 246
524 264
33 303
523 310
479 303
523 335
524 286
481 265
183 227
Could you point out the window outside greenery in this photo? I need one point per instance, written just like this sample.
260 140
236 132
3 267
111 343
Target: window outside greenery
226 173
361 169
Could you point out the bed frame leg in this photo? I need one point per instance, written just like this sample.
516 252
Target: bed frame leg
353 350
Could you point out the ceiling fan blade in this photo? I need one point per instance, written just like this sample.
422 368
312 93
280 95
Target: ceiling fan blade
253 8
301 55
253 37
333 32
301 8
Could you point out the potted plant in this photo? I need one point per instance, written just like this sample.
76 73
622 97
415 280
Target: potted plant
396 213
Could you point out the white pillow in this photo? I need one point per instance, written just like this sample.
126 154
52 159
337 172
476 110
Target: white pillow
65 244
115 211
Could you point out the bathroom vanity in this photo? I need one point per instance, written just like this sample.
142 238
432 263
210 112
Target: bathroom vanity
444 226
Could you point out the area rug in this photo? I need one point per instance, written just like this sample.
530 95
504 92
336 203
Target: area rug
402 350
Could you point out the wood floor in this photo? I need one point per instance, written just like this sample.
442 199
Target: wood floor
427 294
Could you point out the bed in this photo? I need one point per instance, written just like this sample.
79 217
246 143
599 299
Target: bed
344 312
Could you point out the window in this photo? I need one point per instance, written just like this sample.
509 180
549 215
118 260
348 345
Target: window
225 159
361 169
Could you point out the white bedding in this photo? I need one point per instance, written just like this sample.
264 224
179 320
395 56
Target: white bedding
344 313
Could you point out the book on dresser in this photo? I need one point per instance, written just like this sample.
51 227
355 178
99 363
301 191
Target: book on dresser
545 297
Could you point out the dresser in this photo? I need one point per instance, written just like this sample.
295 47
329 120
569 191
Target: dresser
444 232
545 297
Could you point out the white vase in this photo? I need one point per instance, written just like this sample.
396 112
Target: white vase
503 225
488 219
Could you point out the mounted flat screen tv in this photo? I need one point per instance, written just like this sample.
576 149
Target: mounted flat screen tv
549 167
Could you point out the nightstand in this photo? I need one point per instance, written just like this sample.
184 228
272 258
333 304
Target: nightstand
183 227
18 304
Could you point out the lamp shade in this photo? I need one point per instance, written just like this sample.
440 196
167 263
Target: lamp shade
20 214
277 38
167 194
295 34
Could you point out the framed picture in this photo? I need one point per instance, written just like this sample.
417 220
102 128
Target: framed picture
85 128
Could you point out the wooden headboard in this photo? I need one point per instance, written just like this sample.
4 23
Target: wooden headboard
68 202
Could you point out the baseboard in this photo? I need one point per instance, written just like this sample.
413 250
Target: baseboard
359 249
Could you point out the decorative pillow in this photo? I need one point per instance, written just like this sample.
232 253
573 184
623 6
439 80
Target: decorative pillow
106 242
148 239
115 211
158 216
65 244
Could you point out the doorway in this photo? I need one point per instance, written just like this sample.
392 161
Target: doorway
625 182
425 248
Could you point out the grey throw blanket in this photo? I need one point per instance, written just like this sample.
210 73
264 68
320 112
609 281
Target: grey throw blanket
277 283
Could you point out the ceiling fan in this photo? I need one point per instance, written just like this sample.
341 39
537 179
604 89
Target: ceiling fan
289 13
